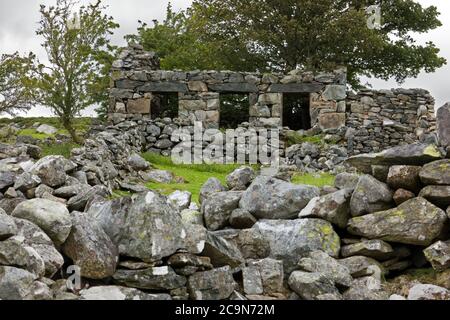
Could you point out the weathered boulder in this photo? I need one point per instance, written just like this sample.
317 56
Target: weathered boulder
252 244
192 217
90 248
438 195
366 288
137 163
222 252
217 208
240 178
428 292
52 217
180 199
402 195
14 252
436 173
158 176
26 181
443 125
360 266
310 285
320 262
346 180
68 192
376 249
211 186
7 179
405 177
79 201
157 278
52 170
46 129
216 284
195 239
416 222
270 272
438 255
270 198
370 196
15 284
413 154
119 293
251 281
293 239
333 207
241 219
8 227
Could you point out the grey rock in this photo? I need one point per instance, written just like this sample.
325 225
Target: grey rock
438 195
291 240
26 181
428 292
241 219
320 262
8 227
78 202
436 173
376 249
367 288
269 198
370 195
46 129
157 278
15 252
240 178
216 284
15 284
189 216
416 222
7 179
180 199
346 181
271 274
251 280
117 293
443 125
360 266
90 248
52 170
405 177
136 162
310 285
50 216
217 208
211 186
158 176
222 252
333 207
70 191
438 254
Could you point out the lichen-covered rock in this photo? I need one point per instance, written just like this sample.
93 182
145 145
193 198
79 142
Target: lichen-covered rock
7 179
271 273
52 217
241 219
310 285
320 262
8 227
438 195
370 195
443 125
333 207
366 288
79 201
291 240
15 284
222 252
251 280
26 181
90 248
180 199
252 244
52 170
416 222
211 186
428 292
436 173
376 249
137 163
240 178
346 180
190 216
158 176
361 266
270 198
68 192
402 195
14 252
216 284
117 293
157 278
406 177
438 255
217 208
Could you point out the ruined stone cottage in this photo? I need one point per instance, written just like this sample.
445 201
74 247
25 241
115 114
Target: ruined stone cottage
366 121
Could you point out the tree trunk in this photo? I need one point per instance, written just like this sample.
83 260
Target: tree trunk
67 123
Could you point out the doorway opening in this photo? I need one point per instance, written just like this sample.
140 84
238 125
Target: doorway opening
296 111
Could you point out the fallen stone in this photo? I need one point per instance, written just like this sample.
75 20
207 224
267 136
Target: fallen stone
217 209
252 244
216 284
367 288
428 292
241 219
438 195
376 249
370 196
137 163
222 252
15 284
52 170
436 173
8 227
271 273
405 177
438 255
180 199
46 129
346 181
240 178
416 222
211 186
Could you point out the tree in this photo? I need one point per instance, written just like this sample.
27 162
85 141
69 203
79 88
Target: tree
15 72
79 55
281 35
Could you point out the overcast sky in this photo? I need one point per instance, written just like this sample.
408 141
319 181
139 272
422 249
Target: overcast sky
18 22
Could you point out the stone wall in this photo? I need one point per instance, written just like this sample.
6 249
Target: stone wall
379 119
134 86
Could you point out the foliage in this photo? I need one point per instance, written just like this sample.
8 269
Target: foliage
79 59
14 76
318 180
281 35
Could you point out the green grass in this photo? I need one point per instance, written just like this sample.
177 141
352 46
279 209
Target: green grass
80 124
62 149
41 136
194 175
318 180
295 138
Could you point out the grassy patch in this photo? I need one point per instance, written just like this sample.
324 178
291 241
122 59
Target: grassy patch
41 136
295 138
194 175
80 124
318 180
62 149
